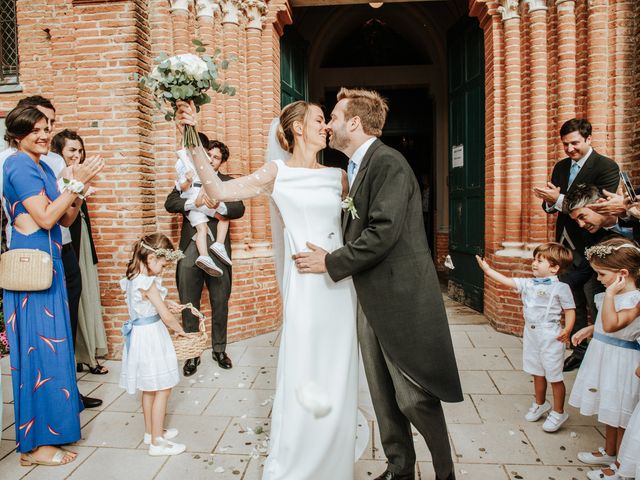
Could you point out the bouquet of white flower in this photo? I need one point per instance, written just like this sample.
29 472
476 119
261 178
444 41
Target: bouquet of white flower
186 77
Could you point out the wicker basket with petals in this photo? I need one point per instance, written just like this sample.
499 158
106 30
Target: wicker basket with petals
192 344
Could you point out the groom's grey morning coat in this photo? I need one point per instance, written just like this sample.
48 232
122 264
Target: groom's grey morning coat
387 255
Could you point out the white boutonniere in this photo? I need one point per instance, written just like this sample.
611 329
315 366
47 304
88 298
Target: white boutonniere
348 205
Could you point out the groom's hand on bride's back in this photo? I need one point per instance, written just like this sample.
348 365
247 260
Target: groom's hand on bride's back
311 262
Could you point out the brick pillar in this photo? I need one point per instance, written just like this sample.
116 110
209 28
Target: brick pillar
241 229
513 207
256 138
180 26
205 13
117 128
597 89
620 72
538 121
567 68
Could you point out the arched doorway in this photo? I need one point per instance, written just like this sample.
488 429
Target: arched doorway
401 50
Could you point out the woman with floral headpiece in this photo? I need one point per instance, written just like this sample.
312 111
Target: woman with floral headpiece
149 361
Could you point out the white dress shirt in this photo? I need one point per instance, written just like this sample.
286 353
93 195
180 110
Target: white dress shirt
357 157
581 162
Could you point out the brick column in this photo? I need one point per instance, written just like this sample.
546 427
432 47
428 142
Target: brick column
180 26
115 126
241 229
597 90
205 13
254 12
513 242
567 69
538 122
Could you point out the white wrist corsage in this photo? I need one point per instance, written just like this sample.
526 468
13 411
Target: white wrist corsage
349 206
72 185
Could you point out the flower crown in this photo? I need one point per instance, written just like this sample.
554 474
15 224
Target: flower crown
171 255
603 250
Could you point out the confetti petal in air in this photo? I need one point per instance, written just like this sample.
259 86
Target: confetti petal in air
313 399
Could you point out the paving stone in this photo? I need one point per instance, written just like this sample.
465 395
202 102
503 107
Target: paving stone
466 471
118 463
238 402
477 381
494 339
190 401
491 443
530 472
562 447
259 357
194 466
114 429
266 379
244 436
482 359
216 377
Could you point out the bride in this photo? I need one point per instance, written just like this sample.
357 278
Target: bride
313 422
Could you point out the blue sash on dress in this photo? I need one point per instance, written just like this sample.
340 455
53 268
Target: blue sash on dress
616 342
129 324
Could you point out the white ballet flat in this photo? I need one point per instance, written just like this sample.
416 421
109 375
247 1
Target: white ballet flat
166 448
313 399
169 433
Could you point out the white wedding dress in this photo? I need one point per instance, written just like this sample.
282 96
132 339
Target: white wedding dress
318 343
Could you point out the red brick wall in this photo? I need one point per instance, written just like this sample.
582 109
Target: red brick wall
83 56
590 61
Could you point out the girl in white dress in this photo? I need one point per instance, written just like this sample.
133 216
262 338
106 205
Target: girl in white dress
314 417
605 384
149 360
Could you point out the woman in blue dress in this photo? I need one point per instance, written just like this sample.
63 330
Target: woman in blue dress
46 399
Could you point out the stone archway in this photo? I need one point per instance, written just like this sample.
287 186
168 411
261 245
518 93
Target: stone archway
423 26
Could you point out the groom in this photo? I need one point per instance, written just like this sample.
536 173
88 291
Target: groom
402 325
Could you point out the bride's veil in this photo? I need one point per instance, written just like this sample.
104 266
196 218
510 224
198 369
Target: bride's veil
276 152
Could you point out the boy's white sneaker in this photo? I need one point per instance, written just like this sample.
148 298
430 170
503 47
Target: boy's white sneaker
210 268
599 474
591 459
536 411
166 447
554 421
169 433
219 251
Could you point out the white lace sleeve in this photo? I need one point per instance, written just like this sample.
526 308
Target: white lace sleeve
258 183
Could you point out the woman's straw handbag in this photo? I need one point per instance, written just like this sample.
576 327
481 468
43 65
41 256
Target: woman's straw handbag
25 269
193 344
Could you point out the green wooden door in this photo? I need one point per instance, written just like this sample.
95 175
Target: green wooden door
293 69
466 160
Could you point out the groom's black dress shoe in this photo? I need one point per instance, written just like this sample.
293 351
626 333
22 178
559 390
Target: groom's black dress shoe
395 476
89 402
191 366
223 360
571 363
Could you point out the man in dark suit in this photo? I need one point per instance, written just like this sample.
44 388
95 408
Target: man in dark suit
583 165
402 324
191 279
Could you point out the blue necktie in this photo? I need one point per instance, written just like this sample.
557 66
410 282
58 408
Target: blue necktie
542 281
624 231
575 168
351 168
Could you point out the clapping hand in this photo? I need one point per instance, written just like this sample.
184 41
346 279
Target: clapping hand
203 200
86 171
549 194
189 176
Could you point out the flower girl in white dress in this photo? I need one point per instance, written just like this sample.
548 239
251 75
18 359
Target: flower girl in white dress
606 384
149 360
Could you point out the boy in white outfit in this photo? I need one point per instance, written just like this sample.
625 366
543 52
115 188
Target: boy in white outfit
189 184
544 300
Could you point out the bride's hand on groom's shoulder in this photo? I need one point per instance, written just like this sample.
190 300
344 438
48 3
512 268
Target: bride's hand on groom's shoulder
311 262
